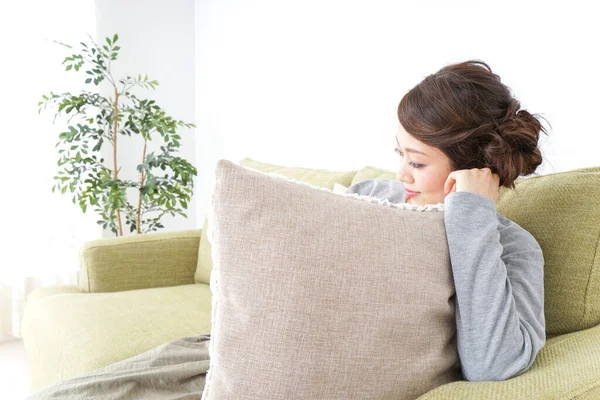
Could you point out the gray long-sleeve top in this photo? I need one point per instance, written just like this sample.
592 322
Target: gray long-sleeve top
498 277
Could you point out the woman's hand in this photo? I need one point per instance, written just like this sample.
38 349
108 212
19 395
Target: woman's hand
480 181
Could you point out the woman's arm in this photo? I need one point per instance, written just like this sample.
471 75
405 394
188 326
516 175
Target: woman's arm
498 275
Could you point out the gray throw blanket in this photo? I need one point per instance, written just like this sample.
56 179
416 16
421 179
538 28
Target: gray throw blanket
173 371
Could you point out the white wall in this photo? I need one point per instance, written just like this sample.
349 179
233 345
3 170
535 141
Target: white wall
30 67
316 83
157 39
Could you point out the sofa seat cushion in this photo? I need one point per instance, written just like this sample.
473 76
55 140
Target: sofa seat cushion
67 332
566 367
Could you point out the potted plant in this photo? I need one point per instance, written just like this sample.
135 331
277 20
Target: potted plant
165 182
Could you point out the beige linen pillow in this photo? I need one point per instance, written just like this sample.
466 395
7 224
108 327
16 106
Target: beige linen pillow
319 177
320 295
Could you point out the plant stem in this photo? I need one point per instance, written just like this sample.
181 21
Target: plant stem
116 173
139 210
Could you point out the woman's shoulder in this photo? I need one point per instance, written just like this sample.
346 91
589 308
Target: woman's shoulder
388 189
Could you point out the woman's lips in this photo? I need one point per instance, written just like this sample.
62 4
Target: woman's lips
410 194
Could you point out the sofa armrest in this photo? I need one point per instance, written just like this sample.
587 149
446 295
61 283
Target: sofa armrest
566 367
139 261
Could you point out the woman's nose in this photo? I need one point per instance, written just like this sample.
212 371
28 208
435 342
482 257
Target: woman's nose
403 176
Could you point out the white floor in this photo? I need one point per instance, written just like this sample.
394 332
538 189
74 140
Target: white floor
14 379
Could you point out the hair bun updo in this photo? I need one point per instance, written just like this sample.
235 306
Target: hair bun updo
520 132
471 116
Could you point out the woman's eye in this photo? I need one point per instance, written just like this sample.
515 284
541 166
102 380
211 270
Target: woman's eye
412 164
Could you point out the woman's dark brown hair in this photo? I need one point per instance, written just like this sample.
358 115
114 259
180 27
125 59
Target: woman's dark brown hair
466 112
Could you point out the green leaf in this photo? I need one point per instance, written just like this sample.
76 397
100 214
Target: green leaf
115 38
97 147
69 67
88 80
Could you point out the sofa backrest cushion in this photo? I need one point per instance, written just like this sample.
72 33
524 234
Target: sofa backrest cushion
562 211
369 172
325 294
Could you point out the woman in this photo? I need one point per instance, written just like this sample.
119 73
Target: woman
461 136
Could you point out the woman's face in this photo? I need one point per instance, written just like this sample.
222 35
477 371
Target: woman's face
423 173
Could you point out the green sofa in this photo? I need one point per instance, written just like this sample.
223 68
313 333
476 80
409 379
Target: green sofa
138 292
